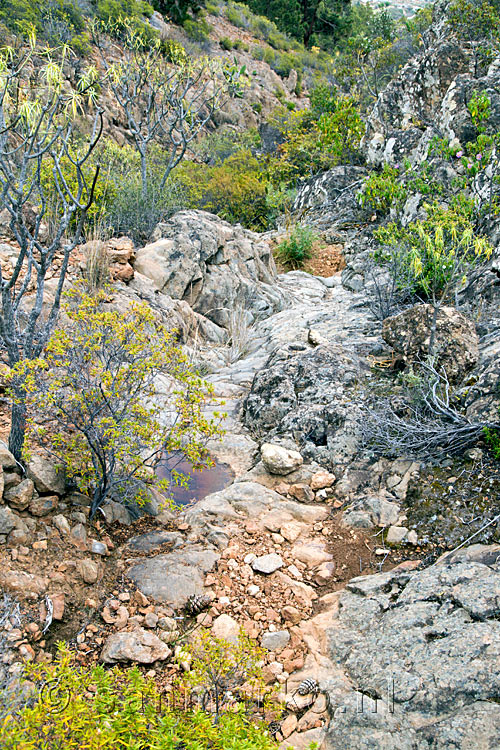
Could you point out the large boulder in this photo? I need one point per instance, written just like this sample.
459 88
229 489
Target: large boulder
456 343
483 397
306 394
213 266
421 652
411 101
279 460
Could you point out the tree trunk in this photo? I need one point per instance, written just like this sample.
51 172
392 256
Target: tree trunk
144 175
97 500
17 430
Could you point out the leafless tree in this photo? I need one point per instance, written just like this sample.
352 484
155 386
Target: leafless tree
162 102
39 160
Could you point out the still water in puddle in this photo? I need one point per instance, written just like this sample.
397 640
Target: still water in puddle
201 483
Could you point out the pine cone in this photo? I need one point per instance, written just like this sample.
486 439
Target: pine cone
308 686
196 604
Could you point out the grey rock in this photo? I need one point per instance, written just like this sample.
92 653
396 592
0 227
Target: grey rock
7 520
358 519
116 512
275 641
249 499
427 644
174 577
456 344
267 563
7 460
42 506
47 477
61 523
279 460
226 628
98 548
307 394
154 539
19 496
88 570
383 512
198 258
482 400
396 534
79 533
330 198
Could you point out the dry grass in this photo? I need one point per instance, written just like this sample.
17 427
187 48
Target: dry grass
97 263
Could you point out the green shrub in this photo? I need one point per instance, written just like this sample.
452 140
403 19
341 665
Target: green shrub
104 191
382 191
314 143
283 64
179 10
122 16
110 11
278 41
236 14
198 29
269 55
492 438
226 43
261 27
435 254
257 107
55 21
174 52
98 387
78 707
121 207
475 19
297 248
233 190
213 9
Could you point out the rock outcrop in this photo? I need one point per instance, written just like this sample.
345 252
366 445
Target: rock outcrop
330 200
213 266
418 649
304 393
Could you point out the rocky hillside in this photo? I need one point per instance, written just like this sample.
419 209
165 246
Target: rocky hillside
350 523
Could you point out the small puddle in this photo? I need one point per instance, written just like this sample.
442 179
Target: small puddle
201 483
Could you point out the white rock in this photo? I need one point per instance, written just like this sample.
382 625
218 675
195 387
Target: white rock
267 563
412 537
226 628
279 460
61 523
138 646
396 534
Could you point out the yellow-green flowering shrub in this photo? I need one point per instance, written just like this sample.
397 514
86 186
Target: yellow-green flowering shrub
93 399
75 707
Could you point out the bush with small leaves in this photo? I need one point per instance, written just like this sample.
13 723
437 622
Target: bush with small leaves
74 707
383 190
97 388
